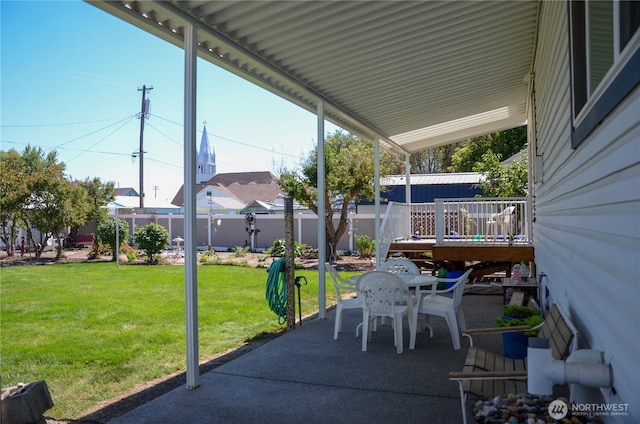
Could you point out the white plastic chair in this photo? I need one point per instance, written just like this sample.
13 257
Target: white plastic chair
399 266
432 302
502 220
342 285
384 296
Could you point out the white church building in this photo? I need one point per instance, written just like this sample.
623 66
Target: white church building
229 193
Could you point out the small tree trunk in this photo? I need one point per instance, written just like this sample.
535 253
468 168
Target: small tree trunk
289 263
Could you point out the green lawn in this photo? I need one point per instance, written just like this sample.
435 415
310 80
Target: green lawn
93 331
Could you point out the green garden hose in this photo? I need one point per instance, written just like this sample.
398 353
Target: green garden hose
277 290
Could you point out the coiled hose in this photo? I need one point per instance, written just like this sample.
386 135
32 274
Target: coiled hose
276 293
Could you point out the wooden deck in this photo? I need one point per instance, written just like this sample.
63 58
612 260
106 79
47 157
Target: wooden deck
482 253
419 251
488 258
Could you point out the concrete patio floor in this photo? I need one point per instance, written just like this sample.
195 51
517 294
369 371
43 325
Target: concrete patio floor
304 376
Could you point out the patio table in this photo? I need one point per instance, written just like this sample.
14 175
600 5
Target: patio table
412 281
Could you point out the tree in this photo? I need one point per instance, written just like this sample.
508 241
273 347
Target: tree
349 175
99 195
13 195
501 181
54 204
503 143
106 234
433 160
152 238
50 203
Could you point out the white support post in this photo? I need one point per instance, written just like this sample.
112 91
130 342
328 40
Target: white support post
117 249
439 216
190 219
407 174
322 228
376 189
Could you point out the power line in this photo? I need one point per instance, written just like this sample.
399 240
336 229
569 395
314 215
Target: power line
60 124
165 163
161 133
243 143
101 140
92 132
23 143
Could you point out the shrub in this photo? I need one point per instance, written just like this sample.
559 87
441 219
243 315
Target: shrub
209 257
241 252
366 245
516 315
152 239
106 234
278 248
129 252
518 311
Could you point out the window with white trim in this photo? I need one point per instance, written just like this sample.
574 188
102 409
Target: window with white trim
605 59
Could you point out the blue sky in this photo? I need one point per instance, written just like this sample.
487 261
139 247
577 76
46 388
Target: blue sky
70 75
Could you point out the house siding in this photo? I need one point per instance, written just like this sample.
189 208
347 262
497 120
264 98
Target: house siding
587 209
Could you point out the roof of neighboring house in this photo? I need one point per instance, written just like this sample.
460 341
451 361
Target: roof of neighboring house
257 206
245 186
515 158
260 192
259 177
133 202
126 191
425 188
432 179
178 199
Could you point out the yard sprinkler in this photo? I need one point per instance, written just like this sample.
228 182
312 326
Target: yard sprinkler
297 283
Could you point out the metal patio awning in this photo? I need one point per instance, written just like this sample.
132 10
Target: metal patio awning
417 74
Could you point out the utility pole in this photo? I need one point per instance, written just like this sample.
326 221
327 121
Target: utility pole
144 111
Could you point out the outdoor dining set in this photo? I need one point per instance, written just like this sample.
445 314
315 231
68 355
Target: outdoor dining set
396 289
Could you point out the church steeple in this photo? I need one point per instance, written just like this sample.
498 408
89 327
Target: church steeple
206 161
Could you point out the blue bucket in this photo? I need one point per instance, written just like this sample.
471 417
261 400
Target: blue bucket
515 345
453 274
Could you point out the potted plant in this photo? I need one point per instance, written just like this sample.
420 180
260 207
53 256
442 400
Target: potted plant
515 343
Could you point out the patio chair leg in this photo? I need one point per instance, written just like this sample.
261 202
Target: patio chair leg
397 330
463 402
338 324
359 326
365 330
453 328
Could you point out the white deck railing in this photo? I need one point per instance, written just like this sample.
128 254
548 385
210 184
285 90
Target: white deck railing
474 220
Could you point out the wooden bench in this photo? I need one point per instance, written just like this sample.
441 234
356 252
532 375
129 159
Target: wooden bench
487 374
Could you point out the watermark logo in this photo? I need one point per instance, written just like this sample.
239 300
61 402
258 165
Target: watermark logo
558 409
